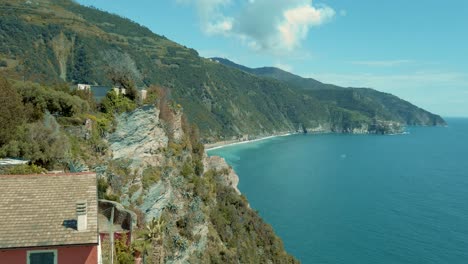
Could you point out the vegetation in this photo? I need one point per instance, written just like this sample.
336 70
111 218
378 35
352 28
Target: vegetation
114 103
82 44
150 176
55 127
124 253
10 106
34 133
22 170
57 43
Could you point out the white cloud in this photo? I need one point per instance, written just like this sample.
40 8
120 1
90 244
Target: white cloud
297 22
220 27
211 17
279 26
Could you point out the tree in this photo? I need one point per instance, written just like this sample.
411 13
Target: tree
11 111
46 143
81 70
122 70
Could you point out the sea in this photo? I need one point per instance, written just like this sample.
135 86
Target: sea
336 198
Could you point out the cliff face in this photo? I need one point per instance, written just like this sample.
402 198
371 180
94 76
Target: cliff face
139 137
376 127
206 218
230 179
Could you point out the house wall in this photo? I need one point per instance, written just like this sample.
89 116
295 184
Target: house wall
66 255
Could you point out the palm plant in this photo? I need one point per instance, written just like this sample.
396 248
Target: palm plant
150 238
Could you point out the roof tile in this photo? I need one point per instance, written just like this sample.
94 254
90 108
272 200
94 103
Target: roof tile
33 209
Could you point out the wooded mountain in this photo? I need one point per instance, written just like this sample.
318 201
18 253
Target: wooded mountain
368 100
62 41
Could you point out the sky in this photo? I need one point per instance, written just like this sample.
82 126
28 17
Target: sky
416 50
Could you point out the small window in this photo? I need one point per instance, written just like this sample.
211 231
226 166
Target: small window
42 257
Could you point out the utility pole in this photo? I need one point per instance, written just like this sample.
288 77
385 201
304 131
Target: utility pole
111 234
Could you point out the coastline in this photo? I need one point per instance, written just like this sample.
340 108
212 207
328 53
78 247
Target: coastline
228 143
233 142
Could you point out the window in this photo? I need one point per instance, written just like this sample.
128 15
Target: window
42 257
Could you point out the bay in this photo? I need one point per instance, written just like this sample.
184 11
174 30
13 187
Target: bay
362 198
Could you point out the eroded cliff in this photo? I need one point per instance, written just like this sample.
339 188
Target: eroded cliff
206 218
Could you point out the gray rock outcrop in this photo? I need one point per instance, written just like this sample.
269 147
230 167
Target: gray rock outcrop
138 137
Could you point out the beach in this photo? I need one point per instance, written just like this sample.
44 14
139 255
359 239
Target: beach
227 143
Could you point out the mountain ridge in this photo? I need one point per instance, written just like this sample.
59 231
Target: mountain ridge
275 73
320 89
62 41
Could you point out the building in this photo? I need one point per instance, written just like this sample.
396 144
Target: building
85 87
120 91
49 219
143 95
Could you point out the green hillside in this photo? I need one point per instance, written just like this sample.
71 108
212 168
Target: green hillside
49 41
363 100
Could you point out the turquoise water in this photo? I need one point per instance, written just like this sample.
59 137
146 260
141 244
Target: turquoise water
362 198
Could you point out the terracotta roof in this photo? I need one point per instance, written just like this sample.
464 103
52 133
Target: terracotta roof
40 210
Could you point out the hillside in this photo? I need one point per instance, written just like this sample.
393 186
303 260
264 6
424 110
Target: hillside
367 100
293 80
52 41
149 159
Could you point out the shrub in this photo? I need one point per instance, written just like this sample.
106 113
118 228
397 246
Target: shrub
112 197
114 103
102 187
151 95
187 169
24 169
43 143
150 176
40 98
133 189
123 251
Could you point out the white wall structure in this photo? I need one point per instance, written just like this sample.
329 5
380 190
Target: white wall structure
86 87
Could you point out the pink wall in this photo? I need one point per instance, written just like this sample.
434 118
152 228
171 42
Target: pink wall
66 255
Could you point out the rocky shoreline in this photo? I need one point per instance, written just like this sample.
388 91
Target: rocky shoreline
379 128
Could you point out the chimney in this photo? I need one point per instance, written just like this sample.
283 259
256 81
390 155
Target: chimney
81 215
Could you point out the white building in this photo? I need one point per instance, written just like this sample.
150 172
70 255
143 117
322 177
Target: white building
143 95
85 87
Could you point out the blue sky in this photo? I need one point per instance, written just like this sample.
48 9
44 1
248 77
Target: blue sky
417 50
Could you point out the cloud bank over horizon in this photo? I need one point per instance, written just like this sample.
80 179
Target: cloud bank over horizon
278 27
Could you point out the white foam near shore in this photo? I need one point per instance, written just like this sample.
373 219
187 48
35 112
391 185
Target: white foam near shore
247 141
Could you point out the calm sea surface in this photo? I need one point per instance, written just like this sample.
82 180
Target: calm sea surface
362 198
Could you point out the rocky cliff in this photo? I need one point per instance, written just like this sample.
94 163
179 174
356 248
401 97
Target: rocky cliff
139 137
206 218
